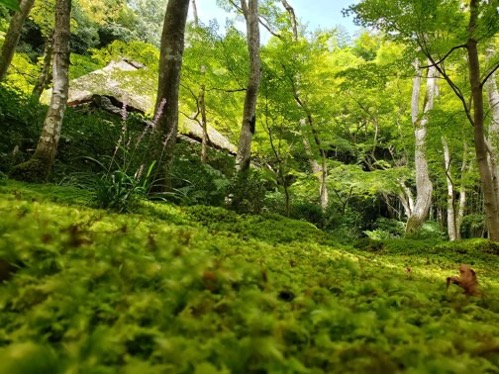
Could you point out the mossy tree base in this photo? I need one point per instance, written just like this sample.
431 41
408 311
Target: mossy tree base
413 226
35 170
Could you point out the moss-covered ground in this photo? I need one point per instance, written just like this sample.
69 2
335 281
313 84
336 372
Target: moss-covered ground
202 290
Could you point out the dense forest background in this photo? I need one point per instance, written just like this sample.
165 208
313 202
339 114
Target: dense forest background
337 119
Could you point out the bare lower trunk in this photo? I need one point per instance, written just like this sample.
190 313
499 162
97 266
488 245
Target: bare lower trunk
406 199
167 111
248 124
462 199
201 98
39 166
12 36
319 171
461 210
423 182
323 193
487 182
203 111
492 93
450 200
45 76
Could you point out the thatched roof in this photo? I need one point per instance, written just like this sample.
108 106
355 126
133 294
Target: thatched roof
127 82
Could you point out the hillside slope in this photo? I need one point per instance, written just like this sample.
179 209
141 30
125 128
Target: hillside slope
203 290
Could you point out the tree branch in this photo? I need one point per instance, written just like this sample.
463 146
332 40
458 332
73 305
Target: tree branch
293 19
267 27
452 85
191 117
445 56
495 68
196 101
226 90
236 6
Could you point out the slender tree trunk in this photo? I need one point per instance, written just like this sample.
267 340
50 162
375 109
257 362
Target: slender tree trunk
248 125
40 165
492 141
195 13
45 76
320 171
487 182
201 98
463 198
12 36
203 111
406 199
450 206
166 108
323 194
282 178
292 17
424 184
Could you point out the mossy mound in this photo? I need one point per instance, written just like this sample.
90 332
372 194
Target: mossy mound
35 170
172 289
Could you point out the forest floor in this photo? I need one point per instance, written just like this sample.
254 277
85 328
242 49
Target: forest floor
203 290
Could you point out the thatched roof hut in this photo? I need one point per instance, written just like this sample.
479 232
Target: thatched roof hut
128 83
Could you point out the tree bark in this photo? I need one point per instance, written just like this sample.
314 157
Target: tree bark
248 124
406 199
463 198
12 36
203 110
292 17
492 139
195 13
487 182
167 98
45 76
40 165
451 221
455 210
200 100
319 171
423 182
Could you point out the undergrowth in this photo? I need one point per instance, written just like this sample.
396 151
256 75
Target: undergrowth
195 289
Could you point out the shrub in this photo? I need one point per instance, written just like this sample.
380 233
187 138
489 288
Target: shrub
377 234
20 121
268 227
470 249
309 212
473 225
429 230
3 179
345 225
369 244
213 216
392 226
247 192
196 183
